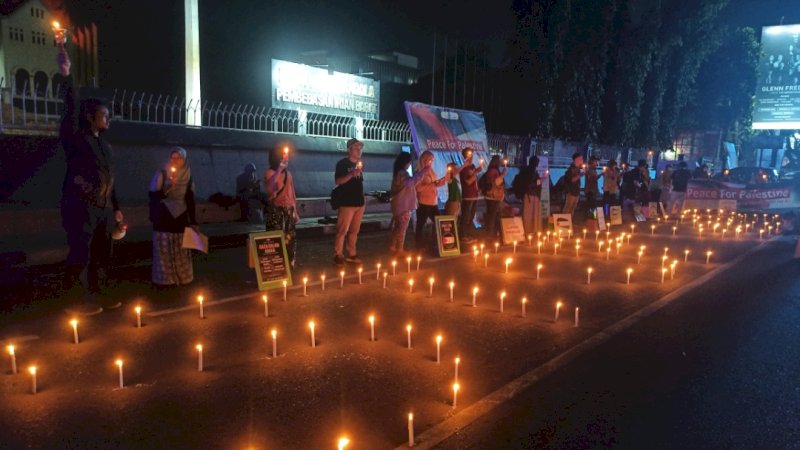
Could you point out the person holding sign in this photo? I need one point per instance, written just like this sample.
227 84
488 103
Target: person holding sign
172 209
281 211
404 199
350 201
426 195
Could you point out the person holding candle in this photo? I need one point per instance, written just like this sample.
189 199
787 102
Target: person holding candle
469 195
404 200
572 184
427 197
494 192
89 207
453 204
532 198
348 196
591 184
281 211
611 179
172 209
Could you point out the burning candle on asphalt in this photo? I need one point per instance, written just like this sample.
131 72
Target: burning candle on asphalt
589 275
410 429
608 252
558 311
32 371
538 270
452 285
372 328
596 234
639 257
629 272
74 324
12 354
322 281
394 267
360 270
663 272
199 348
457 361
385 275
652 230
430 287
312 327
486 261
508 263
274 334
633 228
266 305
496 246
482 247
555 249
438 348
686 255
666 250
524 306
515 247
475 296
419 258
342 443
408 334
663 260
456 388
708 256
577 316
411 286
341 279
600 246
378 271
674 229
530 240
408 264
119 367
502 300
285 288
539 248
672 269
584 234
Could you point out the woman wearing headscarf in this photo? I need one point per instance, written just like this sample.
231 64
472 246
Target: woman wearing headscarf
281 211
172 209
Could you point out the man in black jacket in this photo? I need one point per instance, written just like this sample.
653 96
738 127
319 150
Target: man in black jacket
89 207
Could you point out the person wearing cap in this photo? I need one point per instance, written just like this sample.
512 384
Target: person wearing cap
89 206
350 198
172 210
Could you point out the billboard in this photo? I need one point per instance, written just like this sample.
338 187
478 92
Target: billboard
778 88
301 87
758 197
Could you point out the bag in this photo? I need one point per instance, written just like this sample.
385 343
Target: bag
336 198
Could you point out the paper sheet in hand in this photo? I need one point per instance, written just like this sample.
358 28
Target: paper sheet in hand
194 240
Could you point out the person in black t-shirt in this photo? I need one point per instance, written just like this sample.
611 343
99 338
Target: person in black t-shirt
350 197
680 181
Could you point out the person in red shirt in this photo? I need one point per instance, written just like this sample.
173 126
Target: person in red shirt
469 195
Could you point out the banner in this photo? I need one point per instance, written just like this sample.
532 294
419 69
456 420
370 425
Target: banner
777 105
713 194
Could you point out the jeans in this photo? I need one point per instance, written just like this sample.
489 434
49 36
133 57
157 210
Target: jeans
467 218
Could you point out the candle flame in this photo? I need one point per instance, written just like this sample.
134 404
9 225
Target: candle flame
439 339
199 347
138 309
311 325
74 323
200 299
343 443
264 298
274 333
56 25
10 350
456 387
371 319
408 328
32 370
118 363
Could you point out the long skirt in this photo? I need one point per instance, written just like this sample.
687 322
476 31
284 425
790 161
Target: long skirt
171 264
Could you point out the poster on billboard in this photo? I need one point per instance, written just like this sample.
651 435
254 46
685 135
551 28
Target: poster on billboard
301 87
777 105
714 194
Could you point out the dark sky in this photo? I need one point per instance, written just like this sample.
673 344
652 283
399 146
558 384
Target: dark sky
141 41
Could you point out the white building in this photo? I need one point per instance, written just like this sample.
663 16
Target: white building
28 49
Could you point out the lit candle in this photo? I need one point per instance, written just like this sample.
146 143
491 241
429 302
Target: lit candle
496 246
569 233
266 305
508 263
458 361
674 229
502 300
285 152
608 252
359 270
305 284
629 272
482 246
761 233
666 250
394 267
411 286
539 247
341 279
343 443
475 257
485 261
589 275
408 264
408 334
312 327
596 234
12 354
410 429
372 328
538 270
524 305
686 255
419 258
274 334
322 281
438 348
121 379
199 348
515 247
385 275
32 371
639 257
618 247
652 230
663 260
74 324
600 246
672 269
577 316
475 296
378 271
708 256
285 286
558 311
663 272
555 249
584 234
452 285
430 287
456 388
633 228
530 240
577 250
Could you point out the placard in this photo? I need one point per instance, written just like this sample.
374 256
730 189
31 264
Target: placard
562 222
601 219
447 235
652 210
512 229
268 251
616 215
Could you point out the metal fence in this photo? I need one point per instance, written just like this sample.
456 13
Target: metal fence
23 107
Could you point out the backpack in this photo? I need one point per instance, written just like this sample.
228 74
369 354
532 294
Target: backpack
483 183
520 183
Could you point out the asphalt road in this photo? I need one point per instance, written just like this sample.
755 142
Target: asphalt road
717 368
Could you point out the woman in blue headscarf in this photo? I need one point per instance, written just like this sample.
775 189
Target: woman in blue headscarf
172 209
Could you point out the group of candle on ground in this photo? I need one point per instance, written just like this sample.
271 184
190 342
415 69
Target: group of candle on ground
722 223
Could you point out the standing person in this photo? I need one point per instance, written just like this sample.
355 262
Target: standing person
642 182
281 211
666 185
453 205
591 183
494 194
248 190
89 206
404 200
680 181
350 198
611 178
572 184
172 209
532 199
426 196
469 195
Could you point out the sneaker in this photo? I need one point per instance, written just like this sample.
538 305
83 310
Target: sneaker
338 260
84 309
353 259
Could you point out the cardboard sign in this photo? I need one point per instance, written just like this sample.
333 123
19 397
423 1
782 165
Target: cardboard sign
512 230
268 251
562 222
447 235
194 240
616 215
601 219
652 210
640 217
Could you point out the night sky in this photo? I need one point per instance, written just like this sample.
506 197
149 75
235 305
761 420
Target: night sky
141 42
